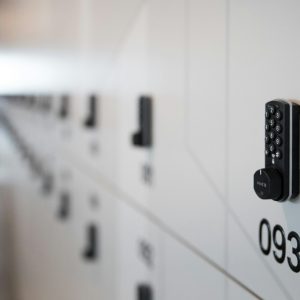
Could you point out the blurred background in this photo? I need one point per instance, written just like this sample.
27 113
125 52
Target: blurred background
129 134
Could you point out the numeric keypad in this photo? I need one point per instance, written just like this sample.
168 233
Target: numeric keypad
279 180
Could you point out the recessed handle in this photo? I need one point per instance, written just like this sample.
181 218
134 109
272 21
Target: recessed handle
64 107
91 251
144 292
65 206
143 137
91 119
48 183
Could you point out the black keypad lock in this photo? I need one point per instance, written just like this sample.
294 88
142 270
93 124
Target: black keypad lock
91 119
91 251
143 137
144 292
279 180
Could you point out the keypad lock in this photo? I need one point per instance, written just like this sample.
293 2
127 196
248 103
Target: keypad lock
279 180
143 137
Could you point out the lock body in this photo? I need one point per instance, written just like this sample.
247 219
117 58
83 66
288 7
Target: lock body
279 180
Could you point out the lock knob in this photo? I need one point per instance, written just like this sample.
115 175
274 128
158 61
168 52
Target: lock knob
268 183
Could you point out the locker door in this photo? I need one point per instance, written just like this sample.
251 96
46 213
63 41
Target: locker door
130 84
263 54
188 191
140 263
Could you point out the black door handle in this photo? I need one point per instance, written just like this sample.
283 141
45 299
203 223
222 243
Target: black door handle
64 107
144 292
91 251
91 119
65 205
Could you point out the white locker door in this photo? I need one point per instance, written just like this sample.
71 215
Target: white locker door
130 82
139 261
188 191
187 276
264 47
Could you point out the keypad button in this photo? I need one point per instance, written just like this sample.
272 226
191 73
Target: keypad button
267 127
278 128
267 114
271 109
278 141
272 122
272 135
267 139
278 115
272 148
278 154
267 152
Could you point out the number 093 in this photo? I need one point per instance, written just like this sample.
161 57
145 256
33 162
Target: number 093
276 237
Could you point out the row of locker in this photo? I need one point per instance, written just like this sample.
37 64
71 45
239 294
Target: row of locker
132 258
43 146
209 83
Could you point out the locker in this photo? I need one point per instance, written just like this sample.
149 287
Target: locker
261 68
139 250
189 277
182 196
130 83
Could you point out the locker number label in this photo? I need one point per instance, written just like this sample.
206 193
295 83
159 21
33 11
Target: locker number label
275 240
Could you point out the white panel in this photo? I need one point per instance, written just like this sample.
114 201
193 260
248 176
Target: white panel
82 278
133 268
249 266
206 84
264 51
182 195
187 276
131 83
237 293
